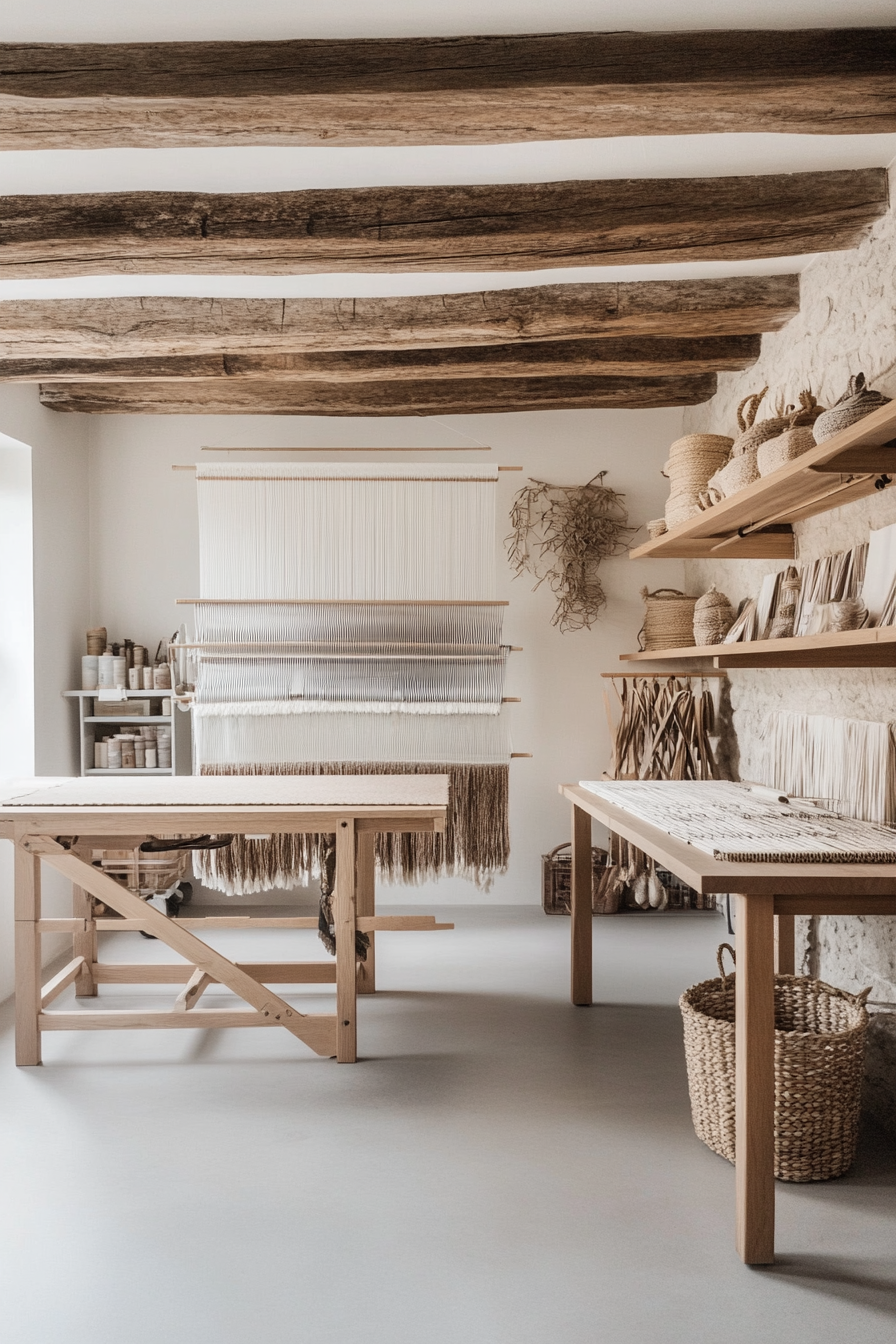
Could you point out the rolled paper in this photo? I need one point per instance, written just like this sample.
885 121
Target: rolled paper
89 672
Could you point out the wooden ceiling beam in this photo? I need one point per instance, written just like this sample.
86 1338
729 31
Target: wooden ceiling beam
127 328
434 397
634 357
457 90
525 226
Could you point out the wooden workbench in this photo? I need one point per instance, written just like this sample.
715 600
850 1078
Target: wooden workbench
61 823
768 896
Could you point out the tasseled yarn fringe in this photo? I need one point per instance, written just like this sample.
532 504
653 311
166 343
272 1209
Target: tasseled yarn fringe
475 844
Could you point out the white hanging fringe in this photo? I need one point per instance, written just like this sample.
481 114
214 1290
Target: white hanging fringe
848 764
337 530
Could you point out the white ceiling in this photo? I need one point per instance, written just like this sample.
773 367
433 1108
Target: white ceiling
282 169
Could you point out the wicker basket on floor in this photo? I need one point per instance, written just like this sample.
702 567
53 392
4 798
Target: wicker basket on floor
819 1063
556 882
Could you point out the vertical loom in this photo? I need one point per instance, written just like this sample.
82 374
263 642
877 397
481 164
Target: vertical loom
348 624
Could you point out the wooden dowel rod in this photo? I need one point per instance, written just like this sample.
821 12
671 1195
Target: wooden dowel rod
659 676
521 755
191 466
785 513
335 601
445 448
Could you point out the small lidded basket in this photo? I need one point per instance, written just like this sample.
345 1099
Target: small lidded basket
795 441
713 617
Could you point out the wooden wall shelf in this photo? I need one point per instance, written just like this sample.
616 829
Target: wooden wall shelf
845 648
843 468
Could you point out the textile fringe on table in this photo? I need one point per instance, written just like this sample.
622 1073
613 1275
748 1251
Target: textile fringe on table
474 845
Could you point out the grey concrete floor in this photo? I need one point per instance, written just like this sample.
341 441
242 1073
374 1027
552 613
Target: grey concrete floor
502 1168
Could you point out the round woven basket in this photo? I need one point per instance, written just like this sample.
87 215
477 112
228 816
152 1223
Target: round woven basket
692 460
857 401
819 1064
737 473
713 617
668 620
775 453
656 527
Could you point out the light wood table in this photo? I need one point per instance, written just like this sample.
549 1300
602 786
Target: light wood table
61 823
768 896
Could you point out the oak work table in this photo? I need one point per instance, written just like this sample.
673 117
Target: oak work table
61 823
767 896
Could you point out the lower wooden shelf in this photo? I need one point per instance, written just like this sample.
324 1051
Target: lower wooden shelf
843 648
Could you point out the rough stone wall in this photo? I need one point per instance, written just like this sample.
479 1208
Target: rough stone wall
847 323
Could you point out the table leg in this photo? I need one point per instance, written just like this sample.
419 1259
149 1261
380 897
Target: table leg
366 905
84 944
785 944
755 1079
580 958
344 919
27 957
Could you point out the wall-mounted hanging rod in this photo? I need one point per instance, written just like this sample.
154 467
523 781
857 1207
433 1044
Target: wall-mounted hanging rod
445 448
660 676
191 466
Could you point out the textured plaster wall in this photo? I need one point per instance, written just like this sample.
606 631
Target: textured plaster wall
847 323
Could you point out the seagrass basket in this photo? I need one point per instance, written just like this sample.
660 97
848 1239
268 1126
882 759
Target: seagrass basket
692 460
819 1063
668 620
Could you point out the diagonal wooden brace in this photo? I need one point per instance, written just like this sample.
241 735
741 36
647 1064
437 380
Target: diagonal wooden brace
317 1030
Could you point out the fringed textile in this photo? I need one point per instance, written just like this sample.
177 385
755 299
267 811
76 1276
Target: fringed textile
474 845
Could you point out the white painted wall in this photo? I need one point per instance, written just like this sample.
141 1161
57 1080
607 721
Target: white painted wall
144 556
44 571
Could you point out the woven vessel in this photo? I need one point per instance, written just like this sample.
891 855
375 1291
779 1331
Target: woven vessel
692 460
668 620
775 453
737 473
750 434
819 1064
656 527
856 402
795 440
713 617
785 611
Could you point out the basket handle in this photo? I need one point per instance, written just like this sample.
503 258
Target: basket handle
567 844
720 958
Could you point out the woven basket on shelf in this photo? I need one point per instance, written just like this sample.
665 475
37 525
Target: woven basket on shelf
856 402
713 617
668 620
692 460
819 1063
795 440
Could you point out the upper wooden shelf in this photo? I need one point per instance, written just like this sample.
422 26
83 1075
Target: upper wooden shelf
843 468
843 648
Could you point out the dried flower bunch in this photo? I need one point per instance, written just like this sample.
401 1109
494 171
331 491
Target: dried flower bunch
561 533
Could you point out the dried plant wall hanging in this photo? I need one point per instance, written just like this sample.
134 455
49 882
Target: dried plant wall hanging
561 533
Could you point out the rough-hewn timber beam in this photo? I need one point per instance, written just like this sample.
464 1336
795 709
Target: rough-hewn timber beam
125 328
633 357
462 90
436 397
507 227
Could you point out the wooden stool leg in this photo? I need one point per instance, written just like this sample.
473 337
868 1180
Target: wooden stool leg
346 973
785 944
755 1079
366 905
580 958
84 944
27 957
